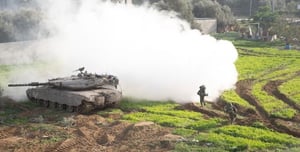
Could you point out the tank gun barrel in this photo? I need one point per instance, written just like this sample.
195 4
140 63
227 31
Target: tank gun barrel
28 84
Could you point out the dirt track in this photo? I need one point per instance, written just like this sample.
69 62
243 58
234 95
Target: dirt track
84 133
291 127
96 133
272 88
243 89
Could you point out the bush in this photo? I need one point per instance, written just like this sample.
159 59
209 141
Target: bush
20 25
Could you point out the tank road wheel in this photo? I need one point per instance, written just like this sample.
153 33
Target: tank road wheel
70 108
30 97
64 107
35 101
52 105
60 106
41 102
85 107
46 103
75 108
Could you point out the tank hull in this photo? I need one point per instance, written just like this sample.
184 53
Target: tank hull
83 101
83 92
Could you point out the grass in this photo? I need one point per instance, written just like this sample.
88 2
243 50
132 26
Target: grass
9 113
258 134
4 71
234 137
185 132
185 147
7 70
262 65
274 106
157 107
288 88
259 61
257 44
43 127
206 134
55 134
232 96
166 114
231 36
252 67
269 51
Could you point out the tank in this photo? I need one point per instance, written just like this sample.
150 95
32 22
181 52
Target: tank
82 93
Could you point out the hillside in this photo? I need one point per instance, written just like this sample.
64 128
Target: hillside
267 97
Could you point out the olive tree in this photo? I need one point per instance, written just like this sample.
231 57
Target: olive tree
212 9
26 23
266 18
287 29
6 27
23 24
182 7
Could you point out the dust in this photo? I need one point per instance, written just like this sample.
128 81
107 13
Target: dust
155 54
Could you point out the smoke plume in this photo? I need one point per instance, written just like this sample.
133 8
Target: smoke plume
154 54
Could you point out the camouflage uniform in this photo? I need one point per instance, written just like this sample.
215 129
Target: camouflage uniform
202 94
231 110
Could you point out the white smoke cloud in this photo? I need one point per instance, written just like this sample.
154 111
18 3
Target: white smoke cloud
154 54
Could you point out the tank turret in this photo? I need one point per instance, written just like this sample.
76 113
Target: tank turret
83 92
81 81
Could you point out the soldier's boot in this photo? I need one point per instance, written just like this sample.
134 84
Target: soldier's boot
232 117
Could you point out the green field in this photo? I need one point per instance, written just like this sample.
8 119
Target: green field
206 134
259 62
263 62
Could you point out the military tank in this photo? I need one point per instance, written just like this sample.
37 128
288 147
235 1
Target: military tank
80 93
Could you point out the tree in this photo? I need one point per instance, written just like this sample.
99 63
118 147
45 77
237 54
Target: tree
292 9
288 29
245 8
266 18
20 25
182 7
26 24
6 27
212 9
188 9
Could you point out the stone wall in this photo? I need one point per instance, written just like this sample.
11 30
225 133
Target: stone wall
207 25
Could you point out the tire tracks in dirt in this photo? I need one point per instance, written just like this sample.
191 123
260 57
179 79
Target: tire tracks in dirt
272 89
206 111
244 88
217 112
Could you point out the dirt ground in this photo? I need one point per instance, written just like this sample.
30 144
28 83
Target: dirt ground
77 132
62 131
291 126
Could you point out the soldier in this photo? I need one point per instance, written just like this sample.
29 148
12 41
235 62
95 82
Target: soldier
231 110
202 94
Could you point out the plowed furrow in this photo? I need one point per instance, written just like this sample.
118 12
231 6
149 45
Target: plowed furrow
272 89
243 89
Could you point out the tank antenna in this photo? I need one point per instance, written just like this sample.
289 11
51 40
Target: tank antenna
79 69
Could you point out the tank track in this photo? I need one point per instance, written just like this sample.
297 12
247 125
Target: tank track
84 108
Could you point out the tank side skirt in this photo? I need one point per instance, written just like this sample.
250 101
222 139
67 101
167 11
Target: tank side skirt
74 101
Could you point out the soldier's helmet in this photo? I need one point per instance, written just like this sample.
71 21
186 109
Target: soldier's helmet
202 86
